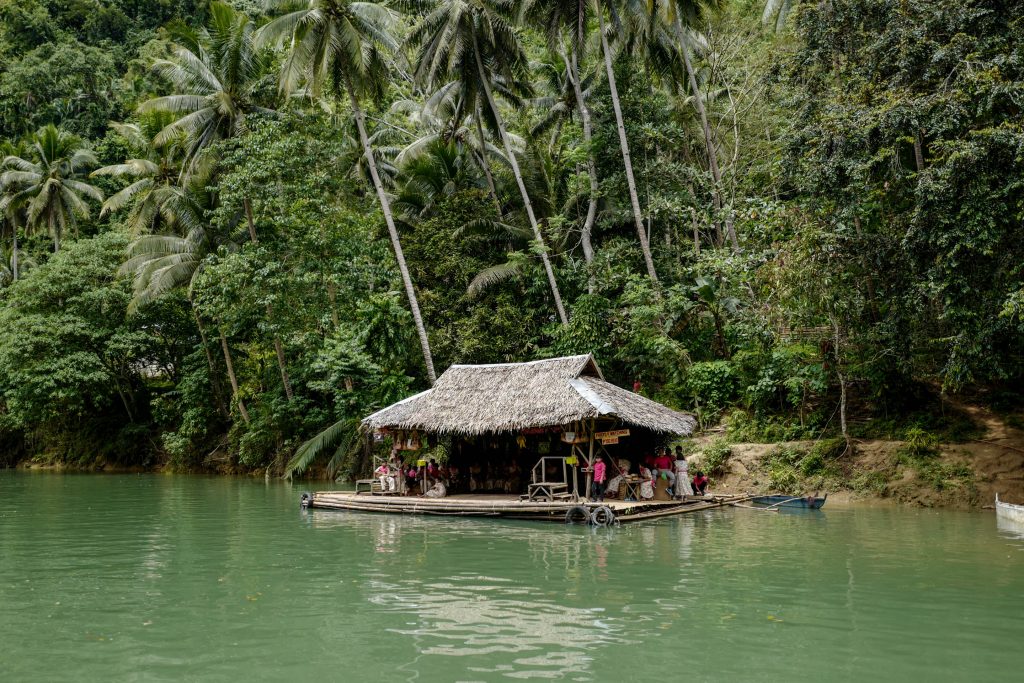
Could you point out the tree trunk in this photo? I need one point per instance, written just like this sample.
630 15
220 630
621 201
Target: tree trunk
696 230
588 225
396 244
231 376
634 199
484 164
919 151
55 231
14 254
278 347
209 360
842 383
522 186
716 174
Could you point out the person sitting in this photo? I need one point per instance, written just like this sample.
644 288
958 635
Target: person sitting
646 483
612 489
700 483
387 479
664 469
438 490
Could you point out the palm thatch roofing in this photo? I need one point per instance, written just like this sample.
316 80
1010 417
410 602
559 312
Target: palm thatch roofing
508 397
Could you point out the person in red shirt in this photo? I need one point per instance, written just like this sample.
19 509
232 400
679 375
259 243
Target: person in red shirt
664 466
700 483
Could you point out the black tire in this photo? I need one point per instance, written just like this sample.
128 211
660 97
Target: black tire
577 514
602 516
306 500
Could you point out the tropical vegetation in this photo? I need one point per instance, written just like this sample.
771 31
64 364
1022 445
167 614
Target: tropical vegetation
232 229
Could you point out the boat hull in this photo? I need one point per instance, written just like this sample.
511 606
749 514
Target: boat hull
1009 511
803 502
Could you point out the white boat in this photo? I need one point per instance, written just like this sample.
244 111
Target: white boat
1009 511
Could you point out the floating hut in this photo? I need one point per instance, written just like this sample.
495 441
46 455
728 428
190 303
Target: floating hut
521 440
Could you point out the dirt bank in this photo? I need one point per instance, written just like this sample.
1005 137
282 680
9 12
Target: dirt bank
957 475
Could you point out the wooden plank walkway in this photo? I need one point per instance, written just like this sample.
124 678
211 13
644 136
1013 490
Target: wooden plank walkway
511 507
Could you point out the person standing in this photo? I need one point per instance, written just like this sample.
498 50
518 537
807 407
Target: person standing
600 474
683 487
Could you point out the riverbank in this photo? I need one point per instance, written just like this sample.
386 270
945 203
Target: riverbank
919 470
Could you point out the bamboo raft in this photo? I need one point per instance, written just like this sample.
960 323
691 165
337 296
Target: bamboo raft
510 507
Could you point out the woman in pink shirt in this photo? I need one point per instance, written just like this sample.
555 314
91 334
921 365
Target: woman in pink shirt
600 474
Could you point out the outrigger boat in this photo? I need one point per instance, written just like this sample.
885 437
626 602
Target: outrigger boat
1009 511
812 502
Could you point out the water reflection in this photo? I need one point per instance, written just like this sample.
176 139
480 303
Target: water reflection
182 578
1010 529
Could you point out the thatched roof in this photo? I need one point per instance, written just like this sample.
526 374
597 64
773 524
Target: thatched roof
507 397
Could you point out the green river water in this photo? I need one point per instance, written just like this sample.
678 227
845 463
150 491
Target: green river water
155 577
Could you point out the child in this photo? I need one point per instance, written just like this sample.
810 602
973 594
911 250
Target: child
600 474
700 483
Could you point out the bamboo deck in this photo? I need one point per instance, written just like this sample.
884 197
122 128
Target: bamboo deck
510 507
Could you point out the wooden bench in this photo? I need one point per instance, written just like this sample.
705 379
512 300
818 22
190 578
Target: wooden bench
548 490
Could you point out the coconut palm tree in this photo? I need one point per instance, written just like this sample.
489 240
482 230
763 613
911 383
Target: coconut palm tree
473 41
215 72
339 46
556 19
681 16
157 201
161 263
13 264
616 28
441 117
50 183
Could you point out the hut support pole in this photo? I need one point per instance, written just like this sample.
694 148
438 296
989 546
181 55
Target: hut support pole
590 460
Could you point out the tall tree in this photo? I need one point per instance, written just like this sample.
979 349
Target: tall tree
610 6
215 72
155 199
558 19
339 46
473 41
681 16
50 183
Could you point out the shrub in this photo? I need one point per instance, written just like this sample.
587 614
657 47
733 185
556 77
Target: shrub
714 456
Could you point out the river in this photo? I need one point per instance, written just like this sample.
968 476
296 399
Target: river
159 577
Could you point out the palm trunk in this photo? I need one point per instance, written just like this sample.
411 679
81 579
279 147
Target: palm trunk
588 224
55 231
231 376
14 254
278 347
522 186
385 207
634 199
716 174
484 164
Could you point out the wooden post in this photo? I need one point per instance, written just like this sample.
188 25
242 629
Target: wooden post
590 460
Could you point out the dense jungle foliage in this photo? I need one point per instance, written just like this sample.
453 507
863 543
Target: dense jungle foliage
230 227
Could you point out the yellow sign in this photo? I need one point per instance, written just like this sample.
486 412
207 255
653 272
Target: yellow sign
609 440
615 433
